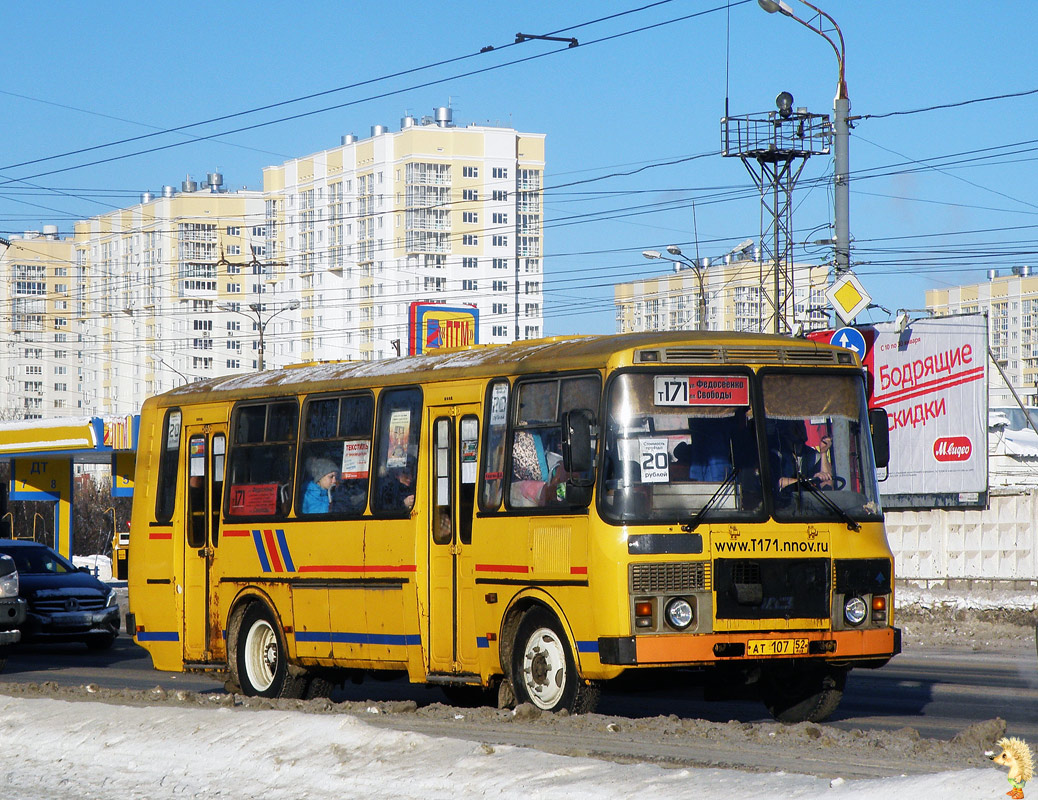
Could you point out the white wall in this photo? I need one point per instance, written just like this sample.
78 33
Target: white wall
948 546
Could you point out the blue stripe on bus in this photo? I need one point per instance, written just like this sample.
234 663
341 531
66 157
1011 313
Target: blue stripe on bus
482 642
340 637
261 550
285 555
588 647
158 636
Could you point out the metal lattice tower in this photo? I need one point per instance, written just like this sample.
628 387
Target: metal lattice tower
774 147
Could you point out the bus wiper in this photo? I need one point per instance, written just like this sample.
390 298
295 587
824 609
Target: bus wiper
807 483
697 518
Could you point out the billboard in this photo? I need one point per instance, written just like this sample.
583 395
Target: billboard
433 326
931 377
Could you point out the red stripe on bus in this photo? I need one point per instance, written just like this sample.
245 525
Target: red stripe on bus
358 568
237 532
272 549
578 570
502 568
160 535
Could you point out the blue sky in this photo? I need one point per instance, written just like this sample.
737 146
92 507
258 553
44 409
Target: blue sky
937 197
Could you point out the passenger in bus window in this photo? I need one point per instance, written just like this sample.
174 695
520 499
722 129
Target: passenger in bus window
398 491
537 474
349 496
709 455
317 494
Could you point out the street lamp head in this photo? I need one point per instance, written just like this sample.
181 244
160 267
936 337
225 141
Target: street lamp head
771 6
254 306
784 104
674 250
293 305
652 254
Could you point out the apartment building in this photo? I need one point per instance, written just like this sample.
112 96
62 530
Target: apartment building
430 212
1010 301
41 354
736 299
322 264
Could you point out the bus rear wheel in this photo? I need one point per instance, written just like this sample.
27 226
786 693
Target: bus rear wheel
544 672
261 660
799 692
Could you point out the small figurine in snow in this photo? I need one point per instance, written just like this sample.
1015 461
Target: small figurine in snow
1017 756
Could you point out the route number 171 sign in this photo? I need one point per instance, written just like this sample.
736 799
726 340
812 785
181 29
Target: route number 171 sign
701 390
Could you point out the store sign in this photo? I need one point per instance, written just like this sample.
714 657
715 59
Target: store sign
434 326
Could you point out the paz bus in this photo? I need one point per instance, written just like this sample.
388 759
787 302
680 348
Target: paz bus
522 522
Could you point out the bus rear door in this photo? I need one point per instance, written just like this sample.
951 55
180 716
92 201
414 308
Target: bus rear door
206 447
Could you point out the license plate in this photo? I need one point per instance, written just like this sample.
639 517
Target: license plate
776 647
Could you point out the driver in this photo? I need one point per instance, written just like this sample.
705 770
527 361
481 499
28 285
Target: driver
793 459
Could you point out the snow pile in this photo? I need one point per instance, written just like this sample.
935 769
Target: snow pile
107 751
907 595
100 566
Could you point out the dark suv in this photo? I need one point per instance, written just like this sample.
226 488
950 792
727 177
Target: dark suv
12 607
65 603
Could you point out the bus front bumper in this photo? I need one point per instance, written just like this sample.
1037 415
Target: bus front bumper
877 644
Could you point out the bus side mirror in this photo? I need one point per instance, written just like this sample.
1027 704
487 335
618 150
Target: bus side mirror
577 453
880 426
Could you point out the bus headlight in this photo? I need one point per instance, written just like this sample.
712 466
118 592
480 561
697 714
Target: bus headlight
679 613
855 610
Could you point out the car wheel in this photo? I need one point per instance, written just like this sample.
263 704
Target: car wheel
103 641
543 670
261 659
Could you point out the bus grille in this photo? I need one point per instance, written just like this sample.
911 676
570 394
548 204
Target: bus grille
755 355
688 576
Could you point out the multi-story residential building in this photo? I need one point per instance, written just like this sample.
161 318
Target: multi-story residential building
160 288
41 354
431 212
1011 304
736 299
322 264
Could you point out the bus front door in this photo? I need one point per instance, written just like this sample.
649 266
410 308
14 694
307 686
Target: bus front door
202 635
452 630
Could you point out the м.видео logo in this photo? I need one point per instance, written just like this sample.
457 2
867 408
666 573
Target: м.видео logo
952 448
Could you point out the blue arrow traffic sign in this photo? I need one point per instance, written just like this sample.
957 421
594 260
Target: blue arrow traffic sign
849 338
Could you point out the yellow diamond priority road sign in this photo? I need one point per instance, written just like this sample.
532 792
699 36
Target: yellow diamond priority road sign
848 297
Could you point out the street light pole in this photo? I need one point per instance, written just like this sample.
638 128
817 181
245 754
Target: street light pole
841 126
682 259
261 324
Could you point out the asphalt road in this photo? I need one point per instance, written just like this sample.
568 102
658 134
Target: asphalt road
938 692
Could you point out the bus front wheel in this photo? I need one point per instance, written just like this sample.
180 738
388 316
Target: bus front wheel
261 659
544 673
799 692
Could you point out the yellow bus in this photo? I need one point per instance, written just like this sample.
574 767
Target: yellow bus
522 521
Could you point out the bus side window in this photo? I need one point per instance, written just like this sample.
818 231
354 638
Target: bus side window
263 449
399 426
493 471
337 439
538 478
166 492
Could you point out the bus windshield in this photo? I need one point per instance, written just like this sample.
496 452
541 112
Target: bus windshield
819 454
679 447
684 448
